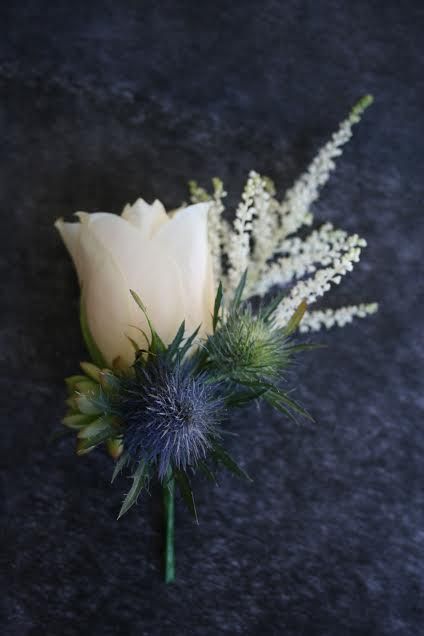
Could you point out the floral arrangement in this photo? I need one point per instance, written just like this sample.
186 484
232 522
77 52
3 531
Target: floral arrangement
184 322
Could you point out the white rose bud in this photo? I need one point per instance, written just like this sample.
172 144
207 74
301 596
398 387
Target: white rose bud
165 259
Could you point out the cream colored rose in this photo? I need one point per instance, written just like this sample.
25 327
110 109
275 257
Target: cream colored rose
165 259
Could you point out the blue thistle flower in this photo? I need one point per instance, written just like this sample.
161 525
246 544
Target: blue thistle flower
171 416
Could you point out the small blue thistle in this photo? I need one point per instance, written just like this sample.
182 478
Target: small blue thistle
172 417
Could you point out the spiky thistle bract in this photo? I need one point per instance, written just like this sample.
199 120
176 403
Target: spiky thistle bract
249 353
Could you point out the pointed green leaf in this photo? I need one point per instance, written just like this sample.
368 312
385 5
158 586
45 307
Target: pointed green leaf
119 466
221 455
78 420
202 465
91 370
134 344
87 405
217 306
242 398
92 348
72 403
294 321
87 387
187 344
269 309
73 380
108 381
114 447
175 344
83 447
186 491
139 479
156 343
281 401
239 291
102 426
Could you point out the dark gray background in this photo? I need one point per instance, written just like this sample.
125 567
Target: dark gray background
104 101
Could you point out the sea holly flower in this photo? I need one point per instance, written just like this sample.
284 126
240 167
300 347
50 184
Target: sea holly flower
172 417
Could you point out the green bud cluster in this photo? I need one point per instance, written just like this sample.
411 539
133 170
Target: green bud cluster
90 409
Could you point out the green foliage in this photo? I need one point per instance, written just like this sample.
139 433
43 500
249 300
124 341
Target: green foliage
91 412
246 354
155 345
140 478
221 456
217 307
92 348
186 492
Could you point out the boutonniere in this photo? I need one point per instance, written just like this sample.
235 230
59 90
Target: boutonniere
187 317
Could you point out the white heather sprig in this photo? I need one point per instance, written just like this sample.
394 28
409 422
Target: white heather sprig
239 240
302 257
295 211
311 289
264 229
218 228
264 226
327 318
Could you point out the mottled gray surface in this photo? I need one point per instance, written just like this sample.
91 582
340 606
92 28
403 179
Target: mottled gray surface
104 101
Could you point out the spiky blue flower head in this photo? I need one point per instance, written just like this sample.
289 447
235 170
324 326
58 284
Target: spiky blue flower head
171 416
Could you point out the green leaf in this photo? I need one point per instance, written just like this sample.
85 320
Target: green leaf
156 344
103 426
73 380
78 420
239 291
139 479
91 370
269 309
134 344
114 447
221 455
92 348
294 321
119 466
186 491
88 387
88 406
83 447
282 402
175 344
72 404
241 398
202 465
186 347
217 306
108 381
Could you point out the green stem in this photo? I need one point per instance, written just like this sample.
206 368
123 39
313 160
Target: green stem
169 504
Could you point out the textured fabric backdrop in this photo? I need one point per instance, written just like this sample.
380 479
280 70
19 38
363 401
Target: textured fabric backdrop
104 101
